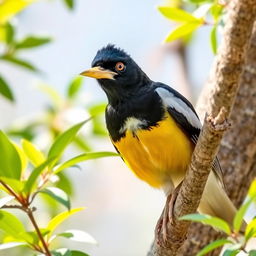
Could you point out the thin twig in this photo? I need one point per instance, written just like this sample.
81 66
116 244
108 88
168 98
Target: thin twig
14 207
33 221
10 191
25 206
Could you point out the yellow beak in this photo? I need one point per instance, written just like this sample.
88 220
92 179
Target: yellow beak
99 73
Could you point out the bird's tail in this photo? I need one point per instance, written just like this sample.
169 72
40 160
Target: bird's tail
215 202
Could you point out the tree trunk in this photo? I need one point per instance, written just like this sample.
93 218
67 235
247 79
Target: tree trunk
237 153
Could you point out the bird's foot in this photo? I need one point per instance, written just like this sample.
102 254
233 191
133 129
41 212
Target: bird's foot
172 202
167 216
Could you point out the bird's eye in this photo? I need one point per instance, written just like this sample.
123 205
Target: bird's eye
120 66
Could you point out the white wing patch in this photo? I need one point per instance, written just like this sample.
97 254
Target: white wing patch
170 100
132 124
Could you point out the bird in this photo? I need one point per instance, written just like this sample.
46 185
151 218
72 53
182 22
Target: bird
154 129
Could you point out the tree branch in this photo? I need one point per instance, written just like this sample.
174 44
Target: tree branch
38 231
225 78
237 153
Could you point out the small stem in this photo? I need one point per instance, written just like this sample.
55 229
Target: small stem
244 250
33 221
10 191
25 207
37 248
44 181
32 198
14 207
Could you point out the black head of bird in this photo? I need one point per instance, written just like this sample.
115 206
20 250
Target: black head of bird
117 73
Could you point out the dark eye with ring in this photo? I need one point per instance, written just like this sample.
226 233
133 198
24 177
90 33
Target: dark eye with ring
120 66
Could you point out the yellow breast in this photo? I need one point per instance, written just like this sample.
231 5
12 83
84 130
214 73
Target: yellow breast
158 155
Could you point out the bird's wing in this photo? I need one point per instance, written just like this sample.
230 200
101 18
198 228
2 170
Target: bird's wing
184 114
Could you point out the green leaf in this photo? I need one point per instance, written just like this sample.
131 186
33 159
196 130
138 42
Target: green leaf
10 245
27 132
67 252
23 157
252 189
252 253
57 194
214 39
10 224
214 222
3 33
10 166
183 30
97 109
5 200
63 140
61 252
70 4
78 253
32 41
99 127
35 155
20 62
216 11
10 31
52 206
78 236
238 220
65 183
250 230
74 87
5 90
82 158
177 14
229 252
57 220
30 183
98 124
212 246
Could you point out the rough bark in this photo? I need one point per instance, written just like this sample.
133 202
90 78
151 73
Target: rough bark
238 148
224 80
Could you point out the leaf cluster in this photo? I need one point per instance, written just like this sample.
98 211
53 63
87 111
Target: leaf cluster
13 46
25 173
190 15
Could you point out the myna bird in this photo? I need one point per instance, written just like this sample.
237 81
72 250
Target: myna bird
154 128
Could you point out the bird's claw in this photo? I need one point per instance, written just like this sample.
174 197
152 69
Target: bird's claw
167 217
